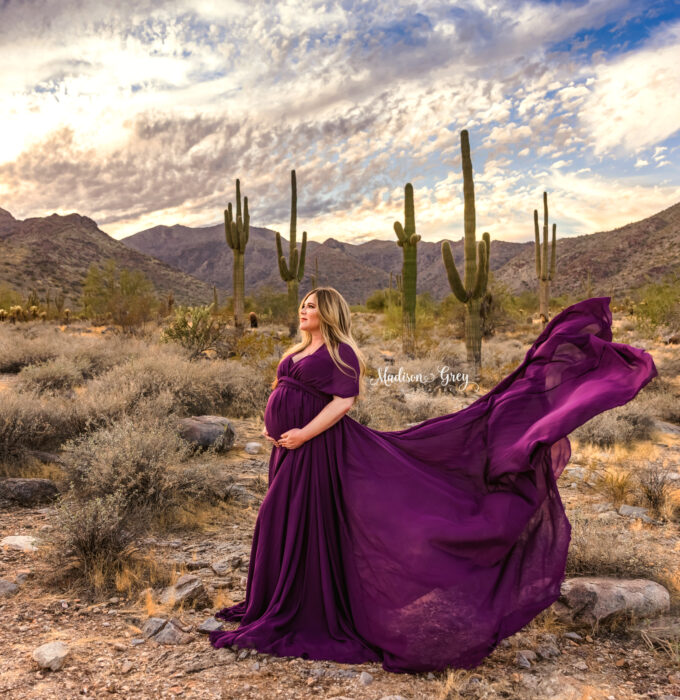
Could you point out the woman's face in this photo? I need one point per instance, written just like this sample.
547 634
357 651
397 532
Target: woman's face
309 315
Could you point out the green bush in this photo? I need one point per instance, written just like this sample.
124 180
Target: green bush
126 297
194 328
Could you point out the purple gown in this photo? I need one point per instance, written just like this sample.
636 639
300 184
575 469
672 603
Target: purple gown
423 548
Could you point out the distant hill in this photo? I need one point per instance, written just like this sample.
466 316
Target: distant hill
56 251
618 260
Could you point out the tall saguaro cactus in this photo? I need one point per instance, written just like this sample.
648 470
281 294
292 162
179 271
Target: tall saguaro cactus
237 231
292 272
407 240
472 290
544 272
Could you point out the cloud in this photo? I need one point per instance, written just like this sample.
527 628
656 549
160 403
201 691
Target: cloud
151 109
635 99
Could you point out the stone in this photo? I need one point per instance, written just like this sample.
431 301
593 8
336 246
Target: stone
171 633
189 590
7 589
253 448
365 678
23 543
548 650
51 656
28 492
635 512
591 599
152 626
210 625
208 431
221 568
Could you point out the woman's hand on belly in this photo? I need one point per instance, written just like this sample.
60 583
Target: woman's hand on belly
292 438
269 437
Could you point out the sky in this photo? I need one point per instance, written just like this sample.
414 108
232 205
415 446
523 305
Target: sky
146 113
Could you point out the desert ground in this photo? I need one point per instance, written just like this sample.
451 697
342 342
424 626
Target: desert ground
77 399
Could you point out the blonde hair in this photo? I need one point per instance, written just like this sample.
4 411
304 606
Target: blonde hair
335 321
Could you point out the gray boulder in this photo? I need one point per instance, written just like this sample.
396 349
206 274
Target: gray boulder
51 656
208 431
28 492
591 599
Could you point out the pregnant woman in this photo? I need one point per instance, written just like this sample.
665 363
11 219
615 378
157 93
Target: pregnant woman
419 548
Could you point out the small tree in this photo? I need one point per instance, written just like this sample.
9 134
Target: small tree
127 297
194 328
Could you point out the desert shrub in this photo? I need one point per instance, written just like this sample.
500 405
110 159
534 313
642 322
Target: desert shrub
596 549
124 296
96 531
656 487
658 304
420 407
53 375
24 424
195 328
138 457
19 347
615 484
623 425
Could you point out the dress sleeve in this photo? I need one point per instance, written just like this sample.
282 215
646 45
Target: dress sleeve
343 381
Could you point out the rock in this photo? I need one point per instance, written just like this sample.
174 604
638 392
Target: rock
580 665
672 339
152 626
207 431
635 512
22 576
51 655
603 507
8 589
574 636
549 650
392 697
171 633
24 543
196 565
524 658
365 678
666 427
240 493
590 599
28 492
253 448
165 631
210 625
221 568
188 589
609 515
576 472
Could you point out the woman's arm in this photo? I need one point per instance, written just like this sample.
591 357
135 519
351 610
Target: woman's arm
329 415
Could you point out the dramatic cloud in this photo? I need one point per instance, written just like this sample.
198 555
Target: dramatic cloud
146 112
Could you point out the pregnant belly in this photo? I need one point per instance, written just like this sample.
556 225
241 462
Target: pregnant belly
282 412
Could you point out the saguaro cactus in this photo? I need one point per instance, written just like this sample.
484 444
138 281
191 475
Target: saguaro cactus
237 231
407 240
315 274
292 272
472 290
545 273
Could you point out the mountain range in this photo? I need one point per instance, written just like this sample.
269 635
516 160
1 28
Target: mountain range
56 251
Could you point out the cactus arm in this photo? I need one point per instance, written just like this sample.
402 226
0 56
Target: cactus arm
303 252
454 278
553 252
283 268
227 228
537 235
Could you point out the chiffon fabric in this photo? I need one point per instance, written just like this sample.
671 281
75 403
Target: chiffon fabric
423 548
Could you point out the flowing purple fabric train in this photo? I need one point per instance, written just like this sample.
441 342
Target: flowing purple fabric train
423 548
